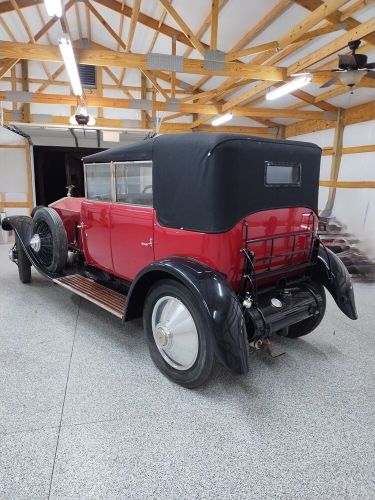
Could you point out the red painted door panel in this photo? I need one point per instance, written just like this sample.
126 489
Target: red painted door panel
96 234
131 239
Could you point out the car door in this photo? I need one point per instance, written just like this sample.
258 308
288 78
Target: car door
95 214
132 219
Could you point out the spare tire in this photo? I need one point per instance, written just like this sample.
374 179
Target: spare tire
49 242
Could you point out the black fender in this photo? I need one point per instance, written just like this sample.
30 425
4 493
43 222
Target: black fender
331 272
212 289
22 226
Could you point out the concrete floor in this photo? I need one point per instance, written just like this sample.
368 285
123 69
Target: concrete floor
85 414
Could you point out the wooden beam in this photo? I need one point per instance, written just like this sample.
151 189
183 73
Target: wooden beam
183 26
355 8
104 23
348 184
12 146
25 88
256 30
56 121
144 120
101 57
310 21
14 86
336 159
133 22
351 150
155 84
332 47
146 20
204 27
173 73
214 23
8 6
335 17
99 89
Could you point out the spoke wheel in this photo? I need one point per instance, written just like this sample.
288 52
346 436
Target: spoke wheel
178 333
45 253
49 241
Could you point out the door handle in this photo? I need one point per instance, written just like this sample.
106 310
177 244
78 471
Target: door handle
147 244
81 226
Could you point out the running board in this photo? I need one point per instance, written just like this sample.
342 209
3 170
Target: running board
100 295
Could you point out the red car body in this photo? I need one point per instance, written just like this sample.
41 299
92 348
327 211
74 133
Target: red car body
123 239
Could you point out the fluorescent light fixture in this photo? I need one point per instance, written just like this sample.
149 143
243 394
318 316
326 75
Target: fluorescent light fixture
67 53
53 7
289 87
222 119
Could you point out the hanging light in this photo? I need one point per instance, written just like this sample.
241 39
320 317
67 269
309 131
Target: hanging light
81 116
222 119
67 53
53 7
351 78
289 87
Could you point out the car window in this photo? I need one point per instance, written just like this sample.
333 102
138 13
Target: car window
134 183
98 178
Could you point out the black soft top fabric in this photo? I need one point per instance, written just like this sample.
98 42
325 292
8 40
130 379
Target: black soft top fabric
208 182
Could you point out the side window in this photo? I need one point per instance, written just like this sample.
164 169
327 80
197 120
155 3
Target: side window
134 183
98 178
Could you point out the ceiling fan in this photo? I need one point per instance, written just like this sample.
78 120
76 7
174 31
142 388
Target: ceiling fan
352 68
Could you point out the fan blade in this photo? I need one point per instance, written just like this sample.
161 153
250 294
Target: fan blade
329 83
370 65
370 74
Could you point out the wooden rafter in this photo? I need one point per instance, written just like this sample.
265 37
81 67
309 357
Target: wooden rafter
214 23
101 57
335 17
183 26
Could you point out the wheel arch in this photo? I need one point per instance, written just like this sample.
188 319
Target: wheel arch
209 286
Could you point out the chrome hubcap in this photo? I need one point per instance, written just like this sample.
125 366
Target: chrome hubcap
35 242
175 333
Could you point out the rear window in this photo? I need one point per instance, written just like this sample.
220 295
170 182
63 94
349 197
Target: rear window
282 174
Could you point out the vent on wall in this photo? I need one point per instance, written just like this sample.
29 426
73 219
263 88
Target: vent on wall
87 75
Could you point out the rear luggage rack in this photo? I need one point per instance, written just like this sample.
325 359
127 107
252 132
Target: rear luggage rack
268 267
106 298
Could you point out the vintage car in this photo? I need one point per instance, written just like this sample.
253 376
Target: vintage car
212 238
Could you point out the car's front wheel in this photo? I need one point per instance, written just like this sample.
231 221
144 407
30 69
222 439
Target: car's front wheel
178 334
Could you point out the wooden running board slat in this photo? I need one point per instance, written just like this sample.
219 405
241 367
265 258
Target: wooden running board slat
100 295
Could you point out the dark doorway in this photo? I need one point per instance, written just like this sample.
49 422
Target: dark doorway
55 169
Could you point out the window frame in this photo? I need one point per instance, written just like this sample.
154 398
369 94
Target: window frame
282 164
85 165
112 166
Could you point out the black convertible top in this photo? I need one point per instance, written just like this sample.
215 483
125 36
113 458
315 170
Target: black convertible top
208 182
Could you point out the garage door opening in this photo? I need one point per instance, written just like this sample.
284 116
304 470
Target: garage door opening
56 168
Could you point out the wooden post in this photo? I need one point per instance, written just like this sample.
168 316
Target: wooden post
143 96
336 159
25 88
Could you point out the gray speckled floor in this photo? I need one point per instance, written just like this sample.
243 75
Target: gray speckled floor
84 413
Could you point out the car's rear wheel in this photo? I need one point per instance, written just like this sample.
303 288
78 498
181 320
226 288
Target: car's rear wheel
178 334
49 242
308 325
23 263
